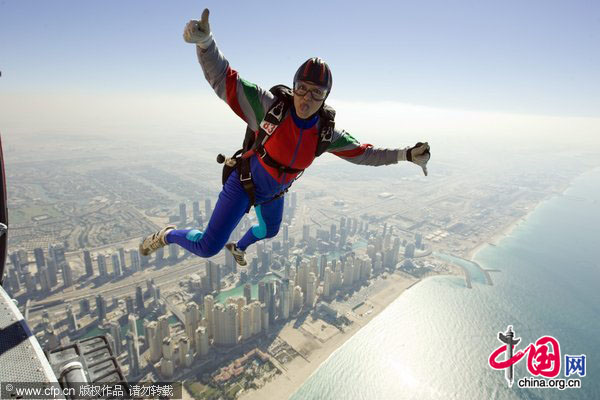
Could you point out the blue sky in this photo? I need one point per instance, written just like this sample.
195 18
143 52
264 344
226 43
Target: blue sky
525 57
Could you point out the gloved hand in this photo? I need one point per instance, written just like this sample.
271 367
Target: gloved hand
418 154
199 31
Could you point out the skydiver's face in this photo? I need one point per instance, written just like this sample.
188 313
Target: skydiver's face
305 104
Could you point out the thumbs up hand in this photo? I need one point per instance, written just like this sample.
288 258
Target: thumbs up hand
198 32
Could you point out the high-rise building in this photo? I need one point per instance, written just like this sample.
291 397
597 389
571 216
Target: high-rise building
418 240
327 282
305 232
134 256
129 304
182 214
256 317
294 200
409 250
246 322
226 324
154 340
84 307
185 356
286 229
132 325
133 353
56 257
298 298
116 265
139 301
102 270
264 318
67 273
196 211
87 260
191 319
100 308
115 331
270 301
213 272
15 282
72 319
248 292
40 262
302 277
17 262
284 299
209 304
122 259
262 292
44 278
201 341
164 329
311 290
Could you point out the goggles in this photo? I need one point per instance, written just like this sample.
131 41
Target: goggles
317 93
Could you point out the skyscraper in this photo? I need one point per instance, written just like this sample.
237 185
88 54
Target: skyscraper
262 292
67 273
134 255
44 278
305 232
182 214
248 292
133 353
196 211
115 331
72 319
191 319
311 290
84 306
122 259
87 260
213 272
201 341
139 301
285 232
209 304
154 340
100 307
116 265
102 270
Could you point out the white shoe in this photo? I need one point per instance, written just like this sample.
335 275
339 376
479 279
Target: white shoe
238 255
155 241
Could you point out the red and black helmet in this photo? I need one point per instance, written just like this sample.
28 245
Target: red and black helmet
315 70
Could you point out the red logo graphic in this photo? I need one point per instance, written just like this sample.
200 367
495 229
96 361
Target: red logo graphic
543 356
268 127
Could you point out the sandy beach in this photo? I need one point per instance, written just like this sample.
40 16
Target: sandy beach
314 352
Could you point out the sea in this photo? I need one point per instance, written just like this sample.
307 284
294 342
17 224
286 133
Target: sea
435 340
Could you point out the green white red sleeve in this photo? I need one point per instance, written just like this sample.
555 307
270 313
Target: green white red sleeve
346 147
246 99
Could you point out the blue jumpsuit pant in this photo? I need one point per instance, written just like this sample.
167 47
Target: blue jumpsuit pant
229 210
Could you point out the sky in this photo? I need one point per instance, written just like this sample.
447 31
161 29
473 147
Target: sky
496 67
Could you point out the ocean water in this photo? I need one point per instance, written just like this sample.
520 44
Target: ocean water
434 341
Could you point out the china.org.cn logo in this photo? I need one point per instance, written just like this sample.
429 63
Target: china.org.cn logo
543 360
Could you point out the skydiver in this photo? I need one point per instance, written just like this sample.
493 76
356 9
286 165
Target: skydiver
284 145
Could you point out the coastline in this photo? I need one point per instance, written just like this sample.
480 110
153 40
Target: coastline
315 352
298 371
